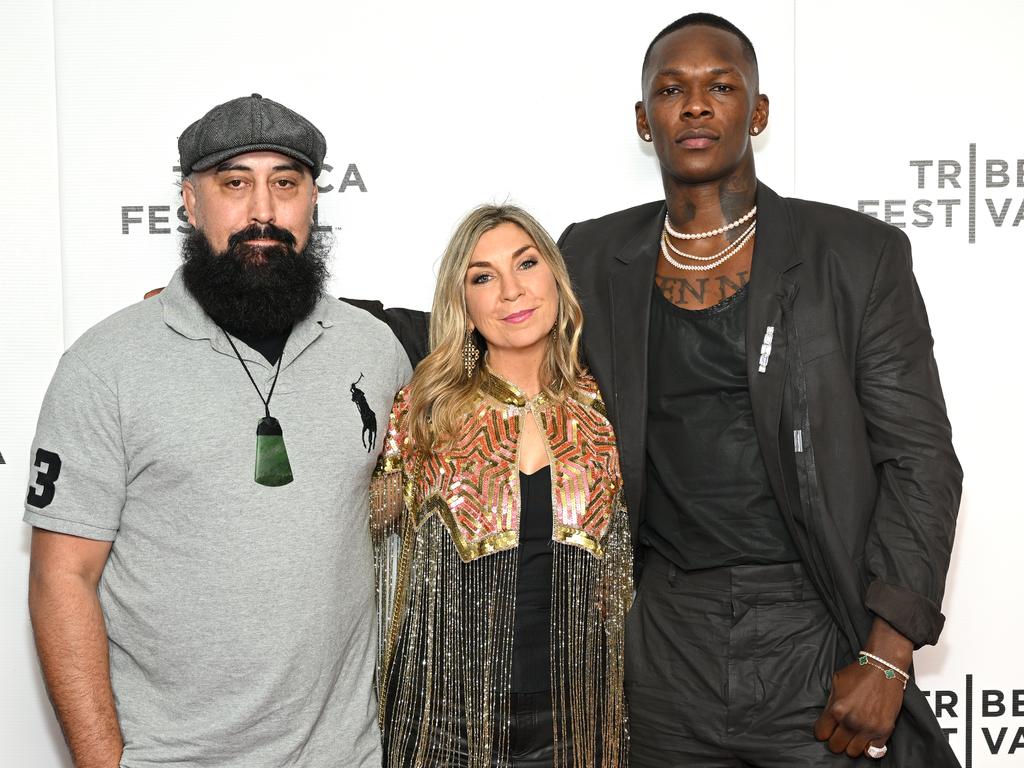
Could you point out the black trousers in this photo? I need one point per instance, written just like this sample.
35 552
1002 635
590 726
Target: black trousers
729 668
531 736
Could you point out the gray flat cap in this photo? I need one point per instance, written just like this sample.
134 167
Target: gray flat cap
250 124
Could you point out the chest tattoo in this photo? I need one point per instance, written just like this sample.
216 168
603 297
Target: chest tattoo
700 292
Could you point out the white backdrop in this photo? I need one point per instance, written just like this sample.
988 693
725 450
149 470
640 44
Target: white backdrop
432 108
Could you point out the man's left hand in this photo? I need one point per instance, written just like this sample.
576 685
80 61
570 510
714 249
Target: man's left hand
864 703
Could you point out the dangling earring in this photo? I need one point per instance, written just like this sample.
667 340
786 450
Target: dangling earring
470 354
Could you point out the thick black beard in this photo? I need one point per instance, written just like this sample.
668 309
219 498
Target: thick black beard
257 291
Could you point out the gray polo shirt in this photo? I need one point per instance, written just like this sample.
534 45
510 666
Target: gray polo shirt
240 617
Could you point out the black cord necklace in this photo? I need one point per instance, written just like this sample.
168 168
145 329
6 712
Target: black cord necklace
272 466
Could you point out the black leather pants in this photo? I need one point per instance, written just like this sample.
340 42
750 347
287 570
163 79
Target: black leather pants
531 737
729 668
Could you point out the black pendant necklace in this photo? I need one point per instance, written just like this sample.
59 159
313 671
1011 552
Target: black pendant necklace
272 467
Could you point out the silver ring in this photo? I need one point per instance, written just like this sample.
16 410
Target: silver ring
876 752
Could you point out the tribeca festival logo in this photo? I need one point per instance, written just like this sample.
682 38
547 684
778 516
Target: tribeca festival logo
965 194
984 722
156 219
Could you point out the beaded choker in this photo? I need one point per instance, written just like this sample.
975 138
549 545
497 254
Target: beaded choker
719 258
704 235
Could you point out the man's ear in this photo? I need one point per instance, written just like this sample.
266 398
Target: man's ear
760 118
643 130
188 196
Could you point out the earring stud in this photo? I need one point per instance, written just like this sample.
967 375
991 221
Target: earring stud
647 137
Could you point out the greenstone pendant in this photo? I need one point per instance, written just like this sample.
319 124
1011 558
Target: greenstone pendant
272 467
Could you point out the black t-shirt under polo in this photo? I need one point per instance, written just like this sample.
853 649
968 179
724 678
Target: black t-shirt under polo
708 500
271 347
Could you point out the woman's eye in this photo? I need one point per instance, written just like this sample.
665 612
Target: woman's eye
480 279
527 263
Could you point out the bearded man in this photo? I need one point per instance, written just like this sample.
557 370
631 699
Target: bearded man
201 584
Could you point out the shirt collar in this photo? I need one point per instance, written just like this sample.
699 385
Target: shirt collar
183 314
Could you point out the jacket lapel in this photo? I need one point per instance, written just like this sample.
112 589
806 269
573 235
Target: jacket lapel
630 288
772 292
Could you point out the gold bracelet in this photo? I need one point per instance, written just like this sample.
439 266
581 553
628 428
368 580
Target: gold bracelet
890 674
889 664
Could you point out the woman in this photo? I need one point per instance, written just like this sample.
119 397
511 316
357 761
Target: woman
504 559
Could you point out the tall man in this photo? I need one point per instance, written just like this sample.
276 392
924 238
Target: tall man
201 583
768 365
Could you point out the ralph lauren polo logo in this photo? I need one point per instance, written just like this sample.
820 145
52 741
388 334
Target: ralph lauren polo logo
369 418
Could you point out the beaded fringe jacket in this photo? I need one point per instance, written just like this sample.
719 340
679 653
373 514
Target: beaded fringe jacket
446 531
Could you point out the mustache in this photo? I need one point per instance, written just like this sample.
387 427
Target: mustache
261 232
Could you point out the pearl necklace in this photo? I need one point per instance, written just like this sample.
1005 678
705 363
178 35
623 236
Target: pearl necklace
713 256
713 232
732 251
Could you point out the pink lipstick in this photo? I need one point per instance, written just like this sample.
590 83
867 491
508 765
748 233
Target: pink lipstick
518 317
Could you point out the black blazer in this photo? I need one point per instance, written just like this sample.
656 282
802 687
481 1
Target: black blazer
849 412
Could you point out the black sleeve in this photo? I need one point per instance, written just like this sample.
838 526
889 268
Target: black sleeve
571 265
911 536
565 236
410 326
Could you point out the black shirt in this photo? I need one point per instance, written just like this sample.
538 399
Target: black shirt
709 503
271 347
531 643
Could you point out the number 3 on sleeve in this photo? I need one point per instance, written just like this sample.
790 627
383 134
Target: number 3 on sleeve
45 479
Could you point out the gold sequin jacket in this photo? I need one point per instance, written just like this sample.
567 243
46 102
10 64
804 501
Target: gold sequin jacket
446 532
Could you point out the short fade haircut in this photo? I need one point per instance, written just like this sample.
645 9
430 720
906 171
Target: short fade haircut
704 20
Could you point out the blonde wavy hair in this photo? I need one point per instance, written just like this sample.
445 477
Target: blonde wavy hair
441 393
